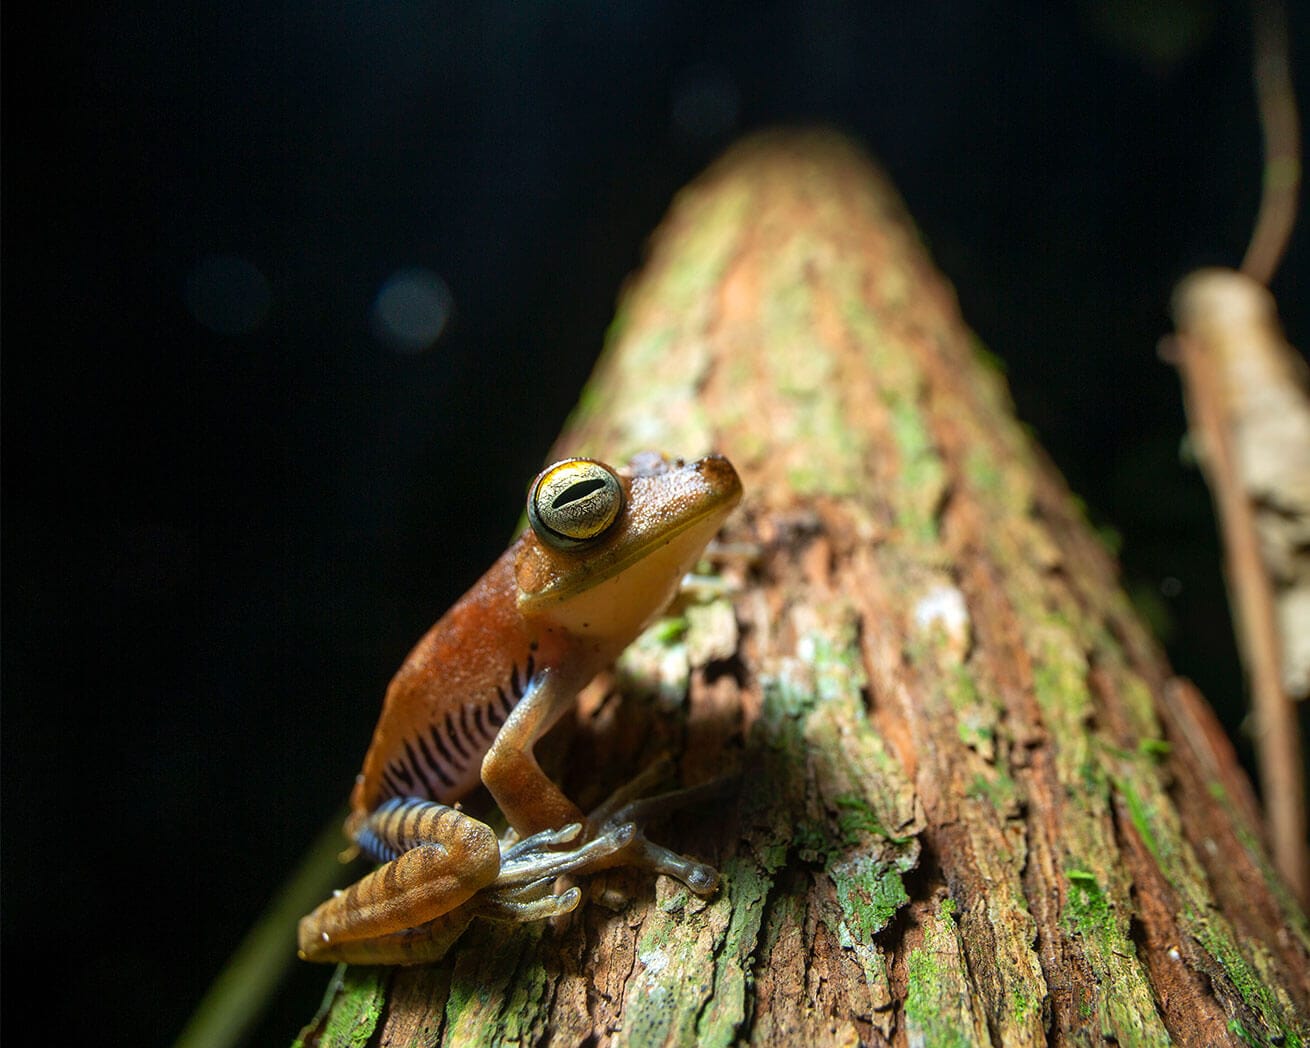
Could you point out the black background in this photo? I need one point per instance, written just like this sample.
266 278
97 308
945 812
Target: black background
217 547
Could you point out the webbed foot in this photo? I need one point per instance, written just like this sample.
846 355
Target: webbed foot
627 808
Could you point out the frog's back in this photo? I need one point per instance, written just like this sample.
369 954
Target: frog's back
448 700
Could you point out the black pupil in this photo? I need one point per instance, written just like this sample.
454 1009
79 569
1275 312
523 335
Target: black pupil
575 492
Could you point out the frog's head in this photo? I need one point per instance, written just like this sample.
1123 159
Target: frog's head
607 548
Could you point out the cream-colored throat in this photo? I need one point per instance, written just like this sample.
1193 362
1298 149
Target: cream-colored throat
615 610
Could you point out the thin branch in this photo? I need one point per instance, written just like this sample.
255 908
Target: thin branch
1278 120
1221 346
238 997
1276 735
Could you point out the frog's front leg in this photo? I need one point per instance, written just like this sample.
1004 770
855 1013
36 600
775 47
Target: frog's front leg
532 803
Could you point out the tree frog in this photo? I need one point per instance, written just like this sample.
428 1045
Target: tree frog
602 557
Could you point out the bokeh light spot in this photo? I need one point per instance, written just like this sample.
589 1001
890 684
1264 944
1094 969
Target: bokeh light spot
227 294
705 105
411 309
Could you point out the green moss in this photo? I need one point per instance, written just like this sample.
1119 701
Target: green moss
975 730
869 886
812 841
832 672
649 348
1110 539
1091 775
884 355
356 1009
975 736
922 475
975 724
655 936
1255 994
1140 816
855 818
987 358
961 689
671 630
1087 906
524 1015
1059 686
674 996
1139 791
785 700
870 892
1023 1007
614 331
835 466
707 244
998 790
983 473
806 479
838 666
727 1005
934 1024
1138 699
458 1000
802 372
813 729
1122 999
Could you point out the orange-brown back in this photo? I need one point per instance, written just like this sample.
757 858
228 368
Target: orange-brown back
452 694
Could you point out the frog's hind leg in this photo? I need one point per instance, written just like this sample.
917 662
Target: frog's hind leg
412 909
436 859
425 944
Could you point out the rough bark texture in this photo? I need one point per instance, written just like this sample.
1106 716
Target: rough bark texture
975 806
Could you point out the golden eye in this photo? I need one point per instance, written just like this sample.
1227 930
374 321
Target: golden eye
573 502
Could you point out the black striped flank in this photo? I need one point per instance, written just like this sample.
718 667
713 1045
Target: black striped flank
431 763
434 763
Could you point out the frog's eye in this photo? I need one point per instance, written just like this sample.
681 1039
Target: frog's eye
573 502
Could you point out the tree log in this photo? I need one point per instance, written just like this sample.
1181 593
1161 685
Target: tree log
975 807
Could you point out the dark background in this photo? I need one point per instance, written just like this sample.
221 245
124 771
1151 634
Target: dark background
231 503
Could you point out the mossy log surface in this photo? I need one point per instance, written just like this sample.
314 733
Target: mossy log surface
975 806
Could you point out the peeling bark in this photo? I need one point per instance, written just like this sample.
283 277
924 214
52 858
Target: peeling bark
975 806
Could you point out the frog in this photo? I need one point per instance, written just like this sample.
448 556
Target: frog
600 559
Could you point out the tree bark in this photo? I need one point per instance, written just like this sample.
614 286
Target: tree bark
975 806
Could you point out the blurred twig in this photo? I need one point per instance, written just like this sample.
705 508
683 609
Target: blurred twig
1277 745
1279 122
237 998
1248 416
